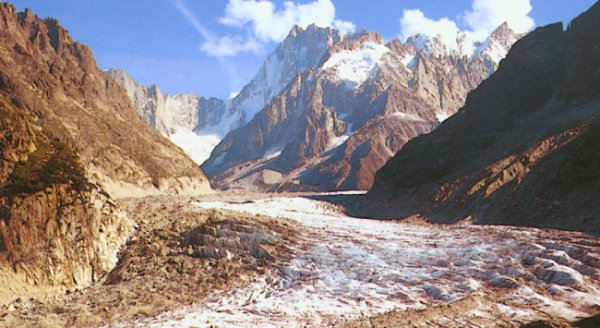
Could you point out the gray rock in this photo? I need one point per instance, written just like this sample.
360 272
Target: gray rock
504 282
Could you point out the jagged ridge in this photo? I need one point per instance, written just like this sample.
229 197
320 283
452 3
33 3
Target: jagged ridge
523 150
333 126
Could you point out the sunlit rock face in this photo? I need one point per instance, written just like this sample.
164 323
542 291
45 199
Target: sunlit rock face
333 126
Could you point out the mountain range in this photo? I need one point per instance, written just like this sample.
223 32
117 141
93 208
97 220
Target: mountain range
103 220
326 110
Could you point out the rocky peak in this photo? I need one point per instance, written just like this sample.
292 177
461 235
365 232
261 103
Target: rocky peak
587 22
301 50
355 40
154 91
298 31
45 72
502 32
338 122
493 49
431 46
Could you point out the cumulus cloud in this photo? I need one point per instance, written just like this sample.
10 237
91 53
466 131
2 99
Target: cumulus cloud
211 41
413 22
486 15
230 46
483 17
267 24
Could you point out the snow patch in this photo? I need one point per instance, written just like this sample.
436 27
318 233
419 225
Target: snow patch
355 66
442 116
337 141
197 147
272 153
406 117
409 61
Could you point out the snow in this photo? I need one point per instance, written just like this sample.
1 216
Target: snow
228 122
497 52
272 153
420 42
406 117
355 66
251 105
408 61
197 147
346 267
274 76
441 116
492 50
338 141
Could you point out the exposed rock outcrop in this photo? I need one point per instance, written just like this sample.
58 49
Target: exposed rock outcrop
70 140
57 229
55 80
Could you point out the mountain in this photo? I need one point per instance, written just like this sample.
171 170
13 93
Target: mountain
335 124
525 148
187 120
70 141
197 124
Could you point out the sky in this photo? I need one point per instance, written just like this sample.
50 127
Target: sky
214 47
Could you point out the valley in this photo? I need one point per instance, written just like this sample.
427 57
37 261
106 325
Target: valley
446 174
298 261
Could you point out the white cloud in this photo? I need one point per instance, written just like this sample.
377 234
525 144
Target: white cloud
413 22
344 26
481 20
230 46
210 40
486 15
267 24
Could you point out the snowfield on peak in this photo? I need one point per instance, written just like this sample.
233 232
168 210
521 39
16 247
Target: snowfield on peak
197 147
355 66
347 268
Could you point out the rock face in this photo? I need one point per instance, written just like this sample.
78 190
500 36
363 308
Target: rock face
197 124
57 228
189 121
69 141
334 125
46 74
525 148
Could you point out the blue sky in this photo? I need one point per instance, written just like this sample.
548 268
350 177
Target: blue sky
214 47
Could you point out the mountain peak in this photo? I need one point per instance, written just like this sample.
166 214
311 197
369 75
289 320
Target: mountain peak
588 21
504 32
310 29
301 50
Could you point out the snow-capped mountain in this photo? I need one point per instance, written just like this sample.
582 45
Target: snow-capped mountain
301 50
190 121
197 124
333 126
325 111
